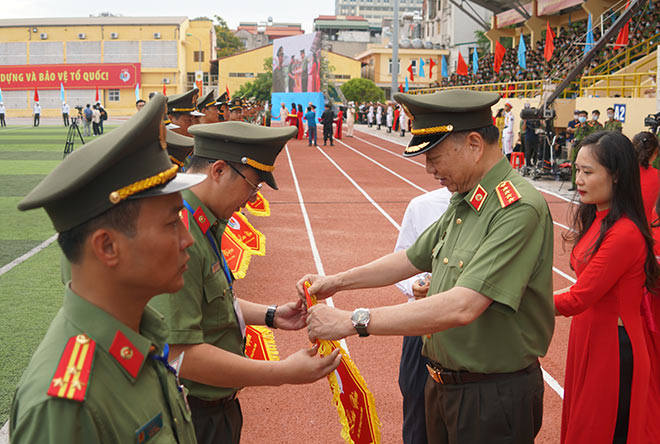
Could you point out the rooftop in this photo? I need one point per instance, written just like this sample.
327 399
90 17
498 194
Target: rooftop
91 21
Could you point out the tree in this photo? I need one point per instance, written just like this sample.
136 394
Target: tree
261 86
227 43
362 90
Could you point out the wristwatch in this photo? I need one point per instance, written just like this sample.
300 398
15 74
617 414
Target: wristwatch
360 319
270 316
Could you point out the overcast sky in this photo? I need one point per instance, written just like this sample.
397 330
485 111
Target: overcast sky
234 11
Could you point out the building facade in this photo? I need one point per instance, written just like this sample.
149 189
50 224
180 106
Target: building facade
151 53
376 10
346 35
257 34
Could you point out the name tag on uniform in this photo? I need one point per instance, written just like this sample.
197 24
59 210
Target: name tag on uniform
215 267
149 430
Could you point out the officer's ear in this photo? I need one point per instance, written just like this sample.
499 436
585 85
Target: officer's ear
218 169
475 144
103 244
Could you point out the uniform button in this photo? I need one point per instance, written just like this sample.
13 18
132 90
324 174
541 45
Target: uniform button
459 221
460 264
176 421
445 260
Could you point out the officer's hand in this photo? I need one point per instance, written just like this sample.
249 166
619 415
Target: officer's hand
304 367
420 290
325 322
290 316
322 286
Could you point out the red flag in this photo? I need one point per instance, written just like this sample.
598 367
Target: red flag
97 94
462 68
400 87
228 95
164 89
36 95
549 43
500 51
622 37
431 65
410 70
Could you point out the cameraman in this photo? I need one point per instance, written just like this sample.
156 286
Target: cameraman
529 128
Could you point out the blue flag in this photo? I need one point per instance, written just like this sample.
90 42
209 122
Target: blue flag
0 94
522 53
589 43
475 61
61 92
406 88
421 67
137 92
444 67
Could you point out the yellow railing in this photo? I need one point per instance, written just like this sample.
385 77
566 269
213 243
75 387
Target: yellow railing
626 56
624 85
524 89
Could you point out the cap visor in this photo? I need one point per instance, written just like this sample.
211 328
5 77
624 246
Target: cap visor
172 126
421 144
179 183
196 114
269 179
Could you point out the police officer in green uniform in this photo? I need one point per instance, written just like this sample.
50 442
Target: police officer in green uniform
489 315
235 107
101 373
206 319
207 105
611 124
223 107
182 110
585 128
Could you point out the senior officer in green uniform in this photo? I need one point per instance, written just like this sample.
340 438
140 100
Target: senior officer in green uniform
182 111
207 320
489 314
100 375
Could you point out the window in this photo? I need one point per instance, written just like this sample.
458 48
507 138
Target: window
414 66
389 69
198 56
241 74
340 76
113 95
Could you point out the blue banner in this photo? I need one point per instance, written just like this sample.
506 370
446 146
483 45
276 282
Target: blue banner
522 53
276 100
590 37
475 61
445 73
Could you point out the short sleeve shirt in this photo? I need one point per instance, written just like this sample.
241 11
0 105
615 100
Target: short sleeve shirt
504 253
203 310
119 404
613 125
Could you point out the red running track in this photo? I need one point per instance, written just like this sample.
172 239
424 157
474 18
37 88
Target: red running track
354 217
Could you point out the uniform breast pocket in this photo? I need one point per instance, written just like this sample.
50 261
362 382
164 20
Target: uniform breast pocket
218 309
457 261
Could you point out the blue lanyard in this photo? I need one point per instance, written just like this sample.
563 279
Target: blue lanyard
163 360
214 245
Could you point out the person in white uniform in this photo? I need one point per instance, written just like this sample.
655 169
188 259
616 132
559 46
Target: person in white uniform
507 132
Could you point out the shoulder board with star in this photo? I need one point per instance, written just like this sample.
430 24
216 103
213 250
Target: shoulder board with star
507 193
71 378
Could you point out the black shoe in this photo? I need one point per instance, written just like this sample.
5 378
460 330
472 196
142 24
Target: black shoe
324 144
572 188
332 144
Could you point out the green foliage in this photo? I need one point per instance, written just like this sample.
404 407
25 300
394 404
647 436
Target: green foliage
268 64
362 90
259 88
227 43
483 44
324 73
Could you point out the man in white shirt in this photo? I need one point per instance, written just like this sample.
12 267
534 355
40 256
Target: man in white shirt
370 115
37 113
507 132
2 115
65 113
422 211
350 119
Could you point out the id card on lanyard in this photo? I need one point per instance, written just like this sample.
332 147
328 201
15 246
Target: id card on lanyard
225 267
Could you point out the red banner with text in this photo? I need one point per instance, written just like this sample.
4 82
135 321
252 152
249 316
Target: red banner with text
81 76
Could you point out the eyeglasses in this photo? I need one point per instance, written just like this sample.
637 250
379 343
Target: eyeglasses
256 188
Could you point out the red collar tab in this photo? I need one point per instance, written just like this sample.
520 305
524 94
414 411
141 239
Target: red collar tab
202 220
126 354
478 197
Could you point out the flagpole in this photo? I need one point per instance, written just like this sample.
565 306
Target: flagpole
395 49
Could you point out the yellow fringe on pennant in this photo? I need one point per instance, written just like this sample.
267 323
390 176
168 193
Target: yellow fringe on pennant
265 211
266 339
240 270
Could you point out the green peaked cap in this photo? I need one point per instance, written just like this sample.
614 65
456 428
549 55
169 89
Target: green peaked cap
436 116
184 103
206 100
126 163
253 145
178 145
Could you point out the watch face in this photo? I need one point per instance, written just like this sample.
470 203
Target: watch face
361 316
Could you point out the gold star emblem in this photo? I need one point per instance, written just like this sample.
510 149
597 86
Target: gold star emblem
76 385
126 352
58 382
72 370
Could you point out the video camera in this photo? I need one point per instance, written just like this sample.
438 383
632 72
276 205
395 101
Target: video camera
652 121
538 114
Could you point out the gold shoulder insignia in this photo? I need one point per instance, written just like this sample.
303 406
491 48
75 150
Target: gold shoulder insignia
507 193
71 378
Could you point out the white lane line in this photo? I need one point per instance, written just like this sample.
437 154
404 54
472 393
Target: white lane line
359 188
546 376
383 167
552 193
310 235
28 255
562 226
390 152
385 138
552 382
568 277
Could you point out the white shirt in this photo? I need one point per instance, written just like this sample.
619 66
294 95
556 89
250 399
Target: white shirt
2 109
65 109
420 214
509 120
37 109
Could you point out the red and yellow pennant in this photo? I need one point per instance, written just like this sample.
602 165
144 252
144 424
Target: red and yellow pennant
236 254
260 343
245 233
355 403
260 206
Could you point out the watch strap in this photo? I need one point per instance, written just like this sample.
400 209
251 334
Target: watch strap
270 316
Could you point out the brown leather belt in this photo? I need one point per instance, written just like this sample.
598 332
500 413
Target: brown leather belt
451 377
195 402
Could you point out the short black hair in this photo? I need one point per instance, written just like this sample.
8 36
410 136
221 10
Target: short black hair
490 134
595 112
200 163
610 109
122 217
583 112
140 101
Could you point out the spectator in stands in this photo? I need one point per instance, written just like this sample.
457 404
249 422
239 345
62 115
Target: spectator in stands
611 124
646 146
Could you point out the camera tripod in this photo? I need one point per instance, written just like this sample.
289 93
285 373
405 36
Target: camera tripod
544 149
71 136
